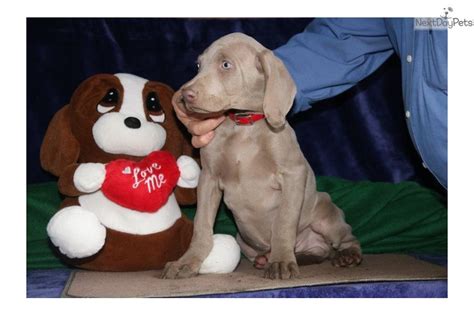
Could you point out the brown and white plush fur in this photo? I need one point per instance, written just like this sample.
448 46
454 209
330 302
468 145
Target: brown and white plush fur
107 119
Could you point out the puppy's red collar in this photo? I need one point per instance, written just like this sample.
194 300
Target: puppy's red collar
246 118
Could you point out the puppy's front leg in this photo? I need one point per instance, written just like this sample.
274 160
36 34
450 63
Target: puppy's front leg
282 261
208 199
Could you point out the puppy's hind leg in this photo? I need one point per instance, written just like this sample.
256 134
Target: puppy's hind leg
259 260
330 223
311 247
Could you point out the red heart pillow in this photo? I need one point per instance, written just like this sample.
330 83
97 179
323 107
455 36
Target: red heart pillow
141 186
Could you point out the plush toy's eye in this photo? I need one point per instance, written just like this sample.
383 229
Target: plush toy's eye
109 101
112 96
160 118
153 103
154 108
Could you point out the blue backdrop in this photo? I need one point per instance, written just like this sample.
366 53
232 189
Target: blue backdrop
358 135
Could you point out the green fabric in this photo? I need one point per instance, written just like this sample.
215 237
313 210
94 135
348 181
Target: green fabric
385 217
42 201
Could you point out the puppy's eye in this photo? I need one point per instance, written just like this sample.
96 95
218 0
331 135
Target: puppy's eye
109 101
153 103
198 65
226 64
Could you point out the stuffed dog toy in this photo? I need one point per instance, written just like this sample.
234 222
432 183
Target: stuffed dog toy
255 163
113 148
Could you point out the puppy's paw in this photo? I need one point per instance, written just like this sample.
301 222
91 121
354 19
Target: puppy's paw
189 170
178 270
260 261
89 177
350 257
282 270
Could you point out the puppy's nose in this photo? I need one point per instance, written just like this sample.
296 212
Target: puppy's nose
132 122
189 95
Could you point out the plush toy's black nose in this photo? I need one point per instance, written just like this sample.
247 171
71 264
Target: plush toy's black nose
132 122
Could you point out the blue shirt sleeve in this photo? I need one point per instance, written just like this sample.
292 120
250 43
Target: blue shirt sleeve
332 55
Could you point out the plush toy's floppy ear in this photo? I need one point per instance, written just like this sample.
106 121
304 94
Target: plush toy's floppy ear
280 89
60 148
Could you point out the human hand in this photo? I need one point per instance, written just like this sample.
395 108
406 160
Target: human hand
202 129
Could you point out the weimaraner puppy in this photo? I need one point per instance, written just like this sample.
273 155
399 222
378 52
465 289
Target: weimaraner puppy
257 165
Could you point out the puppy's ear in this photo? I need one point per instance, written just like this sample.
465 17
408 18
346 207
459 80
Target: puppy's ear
280 89
59 148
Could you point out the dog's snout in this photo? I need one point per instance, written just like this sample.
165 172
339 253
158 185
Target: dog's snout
189 95
132 122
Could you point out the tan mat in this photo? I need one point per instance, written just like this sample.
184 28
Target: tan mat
387 267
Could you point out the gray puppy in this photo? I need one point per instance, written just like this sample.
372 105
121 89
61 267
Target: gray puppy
266 181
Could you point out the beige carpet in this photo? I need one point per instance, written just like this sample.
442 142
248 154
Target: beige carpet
385 267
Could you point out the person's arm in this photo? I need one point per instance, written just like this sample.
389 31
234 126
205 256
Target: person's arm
332 55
